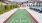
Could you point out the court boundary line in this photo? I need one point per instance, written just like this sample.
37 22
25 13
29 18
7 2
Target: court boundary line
16 11
32 17
10 16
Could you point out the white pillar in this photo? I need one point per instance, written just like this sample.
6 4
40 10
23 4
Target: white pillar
35 3
38 4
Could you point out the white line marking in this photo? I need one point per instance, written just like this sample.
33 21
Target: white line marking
20 16
27 18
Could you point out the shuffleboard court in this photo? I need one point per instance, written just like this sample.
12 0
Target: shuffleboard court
21 16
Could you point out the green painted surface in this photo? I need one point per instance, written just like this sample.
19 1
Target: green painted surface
21 16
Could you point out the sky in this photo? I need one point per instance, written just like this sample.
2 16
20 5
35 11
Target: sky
20 0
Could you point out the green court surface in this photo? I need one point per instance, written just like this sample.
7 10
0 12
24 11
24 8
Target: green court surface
21 16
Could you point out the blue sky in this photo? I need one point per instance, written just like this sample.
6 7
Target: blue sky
18 0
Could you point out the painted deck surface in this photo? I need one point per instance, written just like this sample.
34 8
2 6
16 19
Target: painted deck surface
21 16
